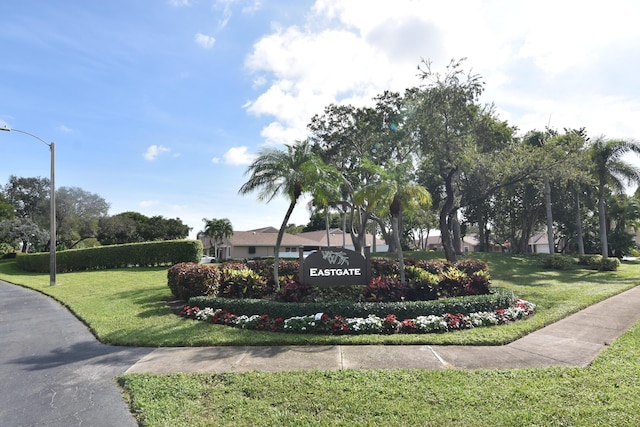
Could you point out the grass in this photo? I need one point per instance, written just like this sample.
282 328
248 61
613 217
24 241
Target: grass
605 394
127 307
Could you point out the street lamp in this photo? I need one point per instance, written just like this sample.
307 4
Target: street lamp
52 234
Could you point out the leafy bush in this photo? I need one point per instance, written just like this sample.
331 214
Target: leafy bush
115 256
294 292
434 266
591 261
610 264
557 261
6 249
479 283
501 299
337 293
471 266
453 283
288 269
190 279
384 267
423 285
241 283
385 289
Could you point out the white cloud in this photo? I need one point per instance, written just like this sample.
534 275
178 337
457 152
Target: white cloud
179 3
237 156
64 129
537 58
205 41
215 160
154 151
149 203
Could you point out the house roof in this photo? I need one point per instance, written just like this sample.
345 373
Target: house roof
268 237
469 240
335 234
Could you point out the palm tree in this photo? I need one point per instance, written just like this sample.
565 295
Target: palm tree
289 172
394 190
218 230
611 172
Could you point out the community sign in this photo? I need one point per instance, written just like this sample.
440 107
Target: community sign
335 266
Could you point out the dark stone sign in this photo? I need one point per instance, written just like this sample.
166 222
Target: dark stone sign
335 266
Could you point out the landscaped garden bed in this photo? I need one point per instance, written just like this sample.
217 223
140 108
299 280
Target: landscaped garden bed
437 297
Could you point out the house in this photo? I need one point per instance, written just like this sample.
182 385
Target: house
469 243
539 243
257 243
338 238
261 242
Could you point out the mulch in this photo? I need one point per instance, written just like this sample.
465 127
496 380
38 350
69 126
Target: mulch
175 305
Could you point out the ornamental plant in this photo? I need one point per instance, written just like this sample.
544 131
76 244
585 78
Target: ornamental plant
384 289
453 283
372 324
241 283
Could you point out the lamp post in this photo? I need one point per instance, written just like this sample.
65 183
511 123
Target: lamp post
52 198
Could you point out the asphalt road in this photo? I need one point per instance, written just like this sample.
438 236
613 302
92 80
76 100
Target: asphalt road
53 372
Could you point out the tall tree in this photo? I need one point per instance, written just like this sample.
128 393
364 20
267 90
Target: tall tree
399 191
444 114
346 136
78 213
7 210
290 172
611 172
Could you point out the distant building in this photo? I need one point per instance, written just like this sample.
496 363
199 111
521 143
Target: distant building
261 243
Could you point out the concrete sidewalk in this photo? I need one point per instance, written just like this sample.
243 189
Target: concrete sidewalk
53 372
573 341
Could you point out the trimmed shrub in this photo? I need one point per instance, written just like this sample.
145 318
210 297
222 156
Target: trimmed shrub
557 261
592 261
148 254
190 279
609 264
502 299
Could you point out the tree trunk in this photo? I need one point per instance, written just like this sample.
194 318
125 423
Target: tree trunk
457 235
445 211
604 245
344 228
396 236
276 255
547 202
326 226
481 233
396 210
579 226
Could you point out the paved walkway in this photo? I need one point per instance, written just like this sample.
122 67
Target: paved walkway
573 341
53 372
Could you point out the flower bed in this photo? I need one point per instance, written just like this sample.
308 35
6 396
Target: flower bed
324 324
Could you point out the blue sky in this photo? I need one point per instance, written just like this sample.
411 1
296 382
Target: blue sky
159 105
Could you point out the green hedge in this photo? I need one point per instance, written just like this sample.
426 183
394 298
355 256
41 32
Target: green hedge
403 310
115 256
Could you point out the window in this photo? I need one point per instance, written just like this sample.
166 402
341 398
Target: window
252 249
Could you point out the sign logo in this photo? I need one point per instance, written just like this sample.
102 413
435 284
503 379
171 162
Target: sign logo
335 267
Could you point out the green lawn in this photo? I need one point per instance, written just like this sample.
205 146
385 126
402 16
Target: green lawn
127 307
605 394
